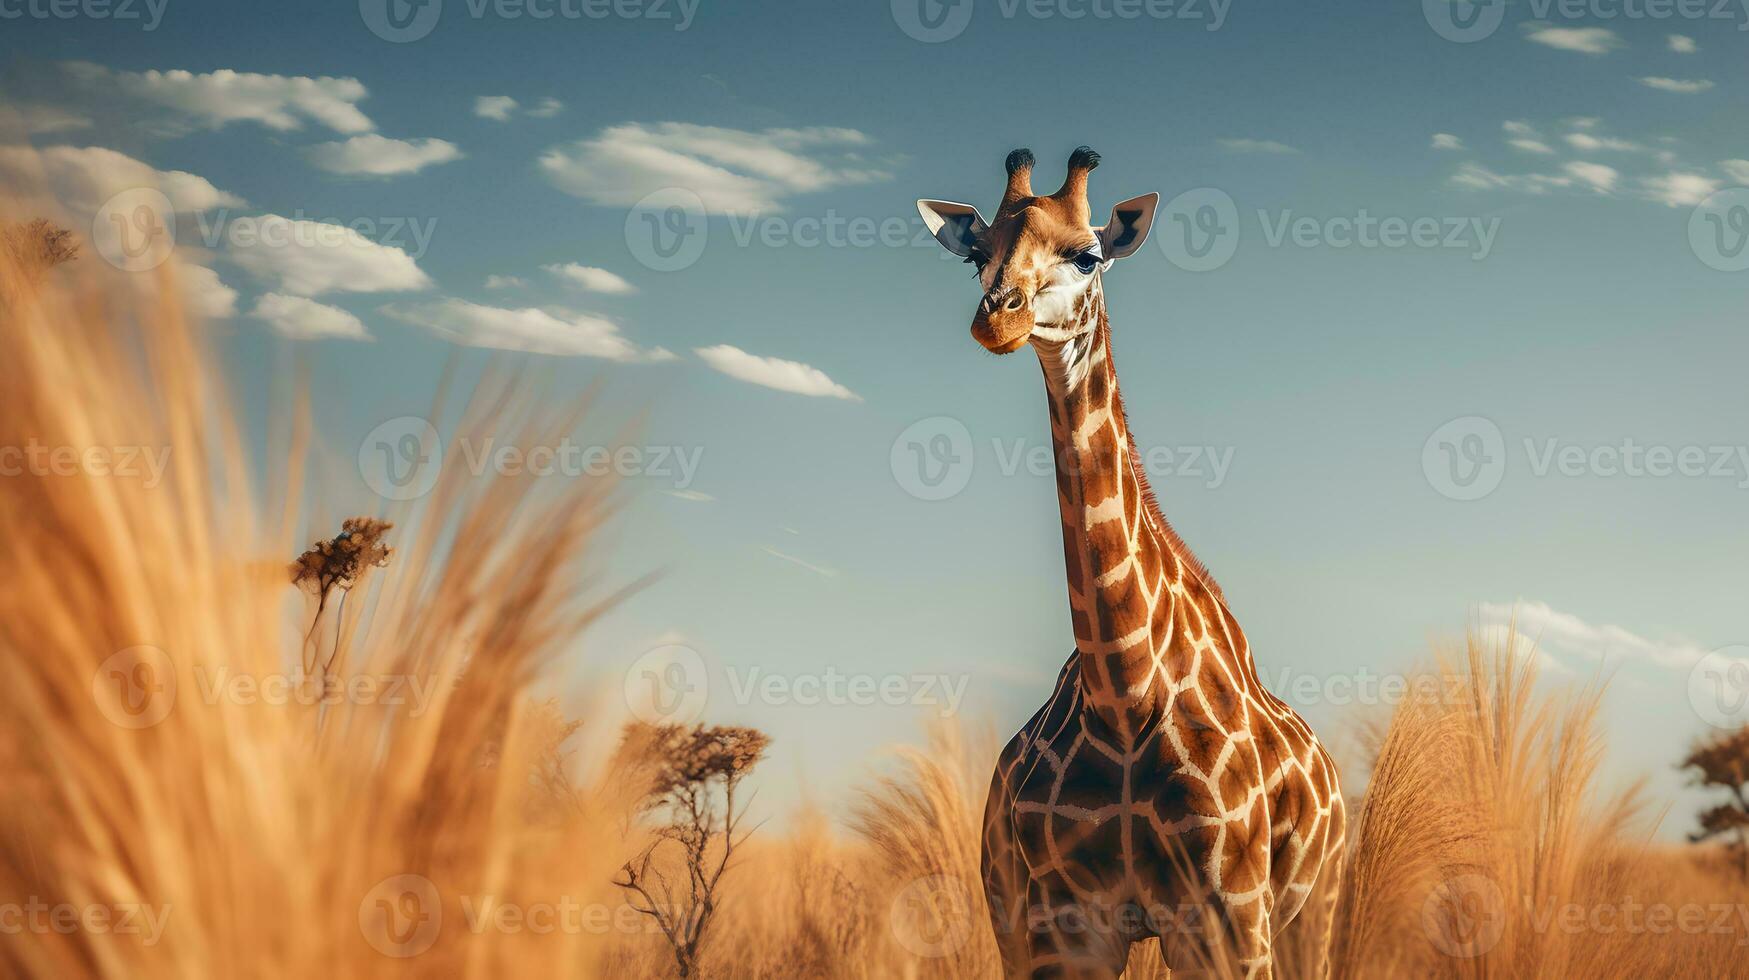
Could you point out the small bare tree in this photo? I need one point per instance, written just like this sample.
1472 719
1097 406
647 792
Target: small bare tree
337 563
38 246
695 773
1722 760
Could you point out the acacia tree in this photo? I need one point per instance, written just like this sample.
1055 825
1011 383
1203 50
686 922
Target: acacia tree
694 775
1722 760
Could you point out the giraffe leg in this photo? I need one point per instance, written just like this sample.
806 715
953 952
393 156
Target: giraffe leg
1066 941
1329 888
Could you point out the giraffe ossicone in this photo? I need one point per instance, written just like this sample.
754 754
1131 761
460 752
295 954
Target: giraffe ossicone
1162 790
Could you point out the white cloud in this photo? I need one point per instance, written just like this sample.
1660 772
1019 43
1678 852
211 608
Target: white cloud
1477 177
308 258
1679 190
1589 143
218 98
1532 146
1585 40
499 107
503 107
505 282
527 329
773 372
590 278
204 295
1737 170
1446 141
1584 122
380 156
1569 636
1596 175
732 171
1682 44
43 119
1256 146
546 109
1681 86
83 177
306 319
1518 128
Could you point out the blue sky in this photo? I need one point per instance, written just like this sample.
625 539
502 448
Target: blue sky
1321 407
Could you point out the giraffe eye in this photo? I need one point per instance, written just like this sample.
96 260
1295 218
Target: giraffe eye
1086 262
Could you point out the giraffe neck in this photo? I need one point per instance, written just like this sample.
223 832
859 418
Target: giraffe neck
1128 572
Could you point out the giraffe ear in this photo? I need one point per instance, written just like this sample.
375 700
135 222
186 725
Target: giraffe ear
956 226
1128 227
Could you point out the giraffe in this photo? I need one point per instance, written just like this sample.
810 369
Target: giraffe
1161 778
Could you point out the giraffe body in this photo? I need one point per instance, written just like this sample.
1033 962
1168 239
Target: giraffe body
1162 790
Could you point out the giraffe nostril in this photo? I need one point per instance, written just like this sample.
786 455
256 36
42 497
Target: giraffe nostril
1015 302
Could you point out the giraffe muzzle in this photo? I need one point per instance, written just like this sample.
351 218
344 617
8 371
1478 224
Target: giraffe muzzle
1003 321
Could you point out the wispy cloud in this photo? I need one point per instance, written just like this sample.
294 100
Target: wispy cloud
774 372
1682 44
1589 143
810 566
1256 146
503 107
732 171
1594 175
527 329
1679 190
1681 86
1477 177
309 258
505 282
379 156
1585 40
590 278
306 319
696 496
1737 170
1570 638
1529 145
499 107
215 99
1446 141
83 177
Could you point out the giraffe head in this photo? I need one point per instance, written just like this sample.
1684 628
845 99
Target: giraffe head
1037 261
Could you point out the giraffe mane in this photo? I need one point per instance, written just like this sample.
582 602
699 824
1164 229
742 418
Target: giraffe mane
1149 499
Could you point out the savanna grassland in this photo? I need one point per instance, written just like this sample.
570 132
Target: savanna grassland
348 836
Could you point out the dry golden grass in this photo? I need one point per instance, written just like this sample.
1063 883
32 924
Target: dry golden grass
449 837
